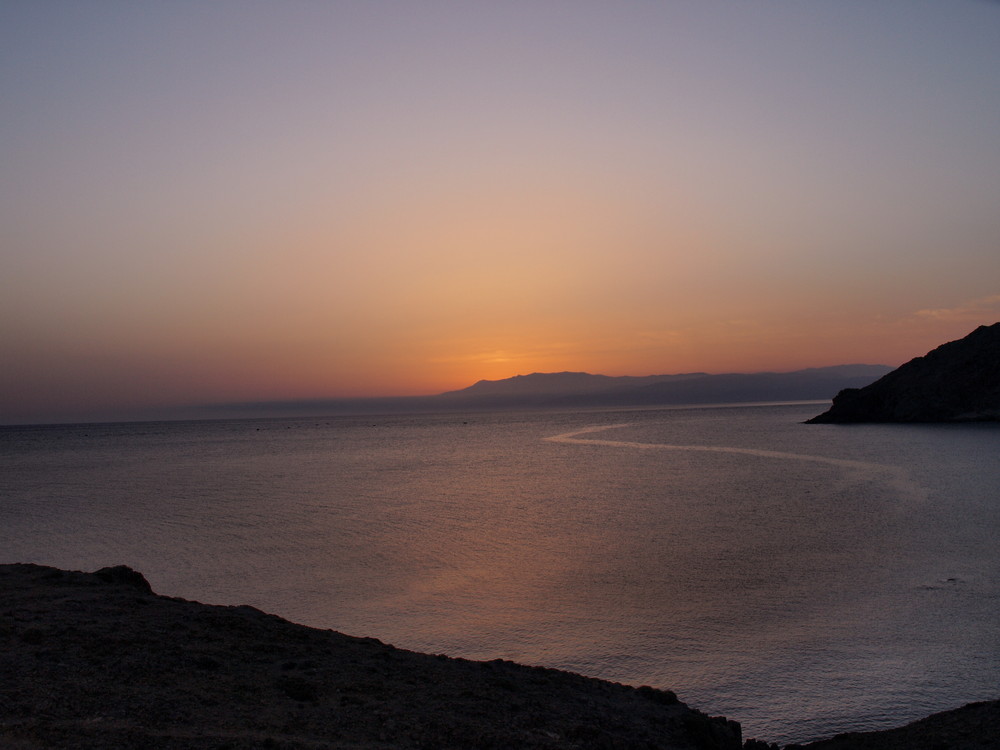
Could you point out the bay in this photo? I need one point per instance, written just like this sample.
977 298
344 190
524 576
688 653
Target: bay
802 579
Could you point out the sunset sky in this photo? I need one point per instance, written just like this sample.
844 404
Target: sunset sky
230 201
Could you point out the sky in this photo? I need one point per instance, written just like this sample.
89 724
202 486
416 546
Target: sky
232 201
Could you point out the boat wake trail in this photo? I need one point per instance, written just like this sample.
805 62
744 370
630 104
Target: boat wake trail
896 476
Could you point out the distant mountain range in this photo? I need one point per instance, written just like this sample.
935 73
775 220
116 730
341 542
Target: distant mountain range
957 382
581 389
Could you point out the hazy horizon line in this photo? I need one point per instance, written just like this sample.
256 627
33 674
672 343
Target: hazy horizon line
381 405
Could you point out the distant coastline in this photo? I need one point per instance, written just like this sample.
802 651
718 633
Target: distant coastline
556 390
571 390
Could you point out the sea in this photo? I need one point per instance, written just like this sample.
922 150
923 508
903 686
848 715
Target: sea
804 580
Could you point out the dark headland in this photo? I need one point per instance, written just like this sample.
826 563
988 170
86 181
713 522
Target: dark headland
97 660
957 382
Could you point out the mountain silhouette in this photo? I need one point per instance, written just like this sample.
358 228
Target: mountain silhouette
956 382
577 389
570 389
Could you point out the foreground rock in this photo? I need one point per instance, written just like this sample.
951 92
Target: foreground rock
972 727
96 660
957 382
99 661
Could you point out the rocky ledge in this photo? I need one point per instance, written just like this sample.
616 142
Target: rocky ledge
957 382
97 660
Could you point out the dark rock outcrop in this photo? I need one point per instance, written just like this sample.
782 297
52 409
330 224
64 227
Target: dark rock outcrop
957 382
123 574
96 660
975 726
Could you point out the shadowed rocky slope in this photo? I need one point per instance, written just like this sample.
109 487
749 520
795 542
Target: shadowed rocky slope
99 661
957 382
972 727
96 660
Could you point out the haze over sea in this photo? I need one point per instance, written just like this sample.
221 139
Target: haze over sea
801 579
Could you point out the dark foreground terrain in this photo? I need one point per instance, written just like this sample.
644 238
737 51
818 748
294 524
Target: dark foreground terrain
96 660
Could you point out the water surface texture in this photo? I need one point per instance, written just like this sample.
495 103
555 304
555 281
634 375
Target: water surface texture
801 579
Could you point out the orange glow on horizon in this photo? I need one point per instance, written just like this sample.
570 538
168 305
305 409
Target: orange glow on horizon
322 201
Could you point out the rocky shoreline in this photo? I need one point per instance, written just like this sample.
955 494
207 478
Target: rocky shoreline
97 660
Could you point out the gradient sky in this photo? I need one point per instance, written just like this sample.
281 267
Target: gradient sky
230 201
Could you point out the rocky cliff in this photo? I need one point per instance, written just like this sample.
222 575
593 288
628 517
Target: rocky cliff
96 660
957 382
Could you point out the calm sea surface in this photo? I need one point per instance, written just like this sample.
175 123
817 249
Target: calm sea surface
801 579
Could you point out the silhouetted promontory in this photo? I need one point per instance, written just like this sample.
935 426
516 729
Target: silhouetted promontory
956 382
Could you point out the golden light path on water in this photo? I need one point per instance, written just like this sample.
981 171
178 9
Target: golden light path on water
896 476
